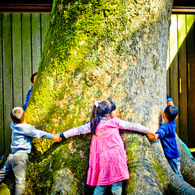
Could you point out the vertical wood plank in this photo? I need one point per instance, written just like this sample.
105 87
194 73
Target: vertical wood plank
26 53
44 26
174 87
17 60
182 78
7 76
36 41
191 77
174 59
167 69
21 37
1 94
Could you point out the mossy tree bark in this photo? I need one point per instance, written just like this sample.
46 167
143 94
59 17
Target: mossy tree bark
97 50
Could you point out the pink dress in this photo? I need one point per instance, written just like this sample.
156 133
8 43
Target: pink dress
107 160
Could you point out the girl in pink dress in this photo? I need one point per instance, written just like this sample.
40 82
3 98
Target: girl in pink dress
107 159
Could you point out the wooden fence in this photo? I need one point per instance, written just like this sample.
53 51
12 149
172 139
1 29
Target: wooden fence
21 39
181 73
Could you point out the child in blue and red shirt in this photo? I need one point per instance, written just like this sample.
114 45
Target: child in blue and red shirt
22 134
167 135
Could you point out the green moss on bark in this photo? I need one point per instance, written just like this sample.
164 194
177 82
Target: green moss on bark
93 51
4 189
160 173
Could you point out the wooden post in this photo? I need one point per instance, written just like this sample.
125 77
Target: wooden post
182 66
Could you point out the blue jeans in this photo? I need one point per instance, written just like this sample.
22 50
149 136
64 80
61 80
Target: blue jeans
175 165
16 163
116 188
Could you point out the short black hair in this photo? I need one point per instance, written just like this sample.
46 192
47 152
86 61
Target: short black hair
17 115
171 112
32 77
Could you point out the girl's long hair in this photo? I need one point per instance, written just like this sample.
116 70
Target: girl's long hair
99 110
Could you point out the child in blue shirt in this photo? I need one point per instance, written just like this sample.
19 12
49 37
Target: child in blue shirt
21 145
167 135
32 79
170 102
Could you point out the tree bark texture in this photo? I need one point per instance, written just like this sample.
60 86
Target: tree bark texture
98 50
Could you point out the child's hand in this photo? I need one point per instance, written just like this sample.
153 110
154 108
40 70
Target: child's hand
152 136
57 138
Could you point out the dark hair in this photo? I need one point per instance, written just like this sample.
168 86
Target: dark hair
171 112
99 110
17 115
113 106
32 77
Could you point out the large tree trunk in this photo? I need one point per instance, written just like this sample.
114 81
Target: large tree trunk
98 50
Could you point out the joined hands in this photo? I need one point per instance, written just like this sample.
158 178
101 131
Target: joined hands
152 136
57 138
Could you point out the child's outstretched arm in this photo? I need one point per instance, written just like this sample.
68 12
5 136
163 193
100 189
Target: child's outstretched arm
158 135
31 131
169 101
132 126
83 129
135 127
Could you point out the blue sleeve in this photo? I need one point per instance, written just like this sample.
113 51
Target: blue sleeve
161 132
31 131
169 98
25 105
27 99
